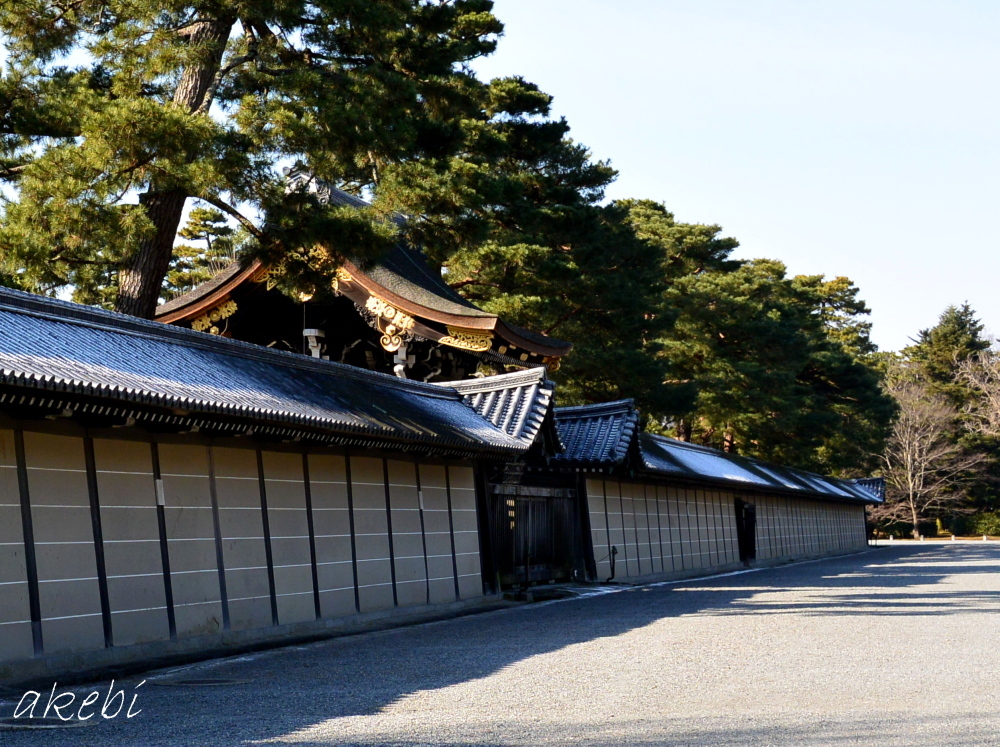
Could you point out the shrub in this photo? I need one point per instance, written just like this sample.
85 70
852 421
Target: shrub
985 523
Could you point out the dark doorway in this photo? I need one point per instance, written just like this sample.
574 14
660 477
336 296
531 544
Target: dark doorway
534 534
746 531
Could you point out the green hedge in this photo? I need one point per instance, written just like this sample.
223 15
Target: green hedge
987 523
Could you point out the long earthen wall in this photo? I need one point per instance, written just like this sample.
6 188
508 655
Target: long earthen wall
664 529
241 538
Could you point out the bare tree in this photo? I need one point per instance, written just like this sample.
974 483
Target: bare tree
981 374
925 467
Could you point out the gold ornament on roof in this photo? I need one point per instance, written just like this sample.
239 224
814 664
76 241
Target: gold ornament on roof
206 322
390 313
468 339
341 276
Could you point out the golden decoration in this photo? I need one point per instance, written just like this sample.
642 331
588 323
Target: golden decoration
267 275
390 341
206 322
390 313
468 339
341 276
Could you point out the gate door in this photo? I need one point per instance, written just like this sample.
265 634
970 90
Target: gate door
746 531
533 535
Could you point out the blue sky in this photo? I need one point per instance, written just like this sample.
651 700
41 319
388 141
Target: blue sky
844 138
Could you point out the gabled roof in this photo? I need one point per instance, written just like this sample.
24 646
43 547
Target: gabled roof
597 434
79 352
516 403
602 435
402 278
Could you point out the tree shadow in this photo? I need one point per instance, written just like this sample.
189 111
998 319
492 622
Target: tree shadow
292 689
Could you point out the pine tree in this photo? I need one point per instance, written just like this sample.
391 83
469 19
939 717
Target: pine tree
194 264
940 350
114 115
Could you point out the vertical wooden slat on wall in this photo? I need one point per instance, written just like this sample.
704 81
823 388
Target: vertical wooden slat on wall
437 529
334 539
242 500
667 529
656 527
463 511
16 639
371 533
599 526
628 529
130 527
184 469
408 541
289 528
69 594
641 521
616 531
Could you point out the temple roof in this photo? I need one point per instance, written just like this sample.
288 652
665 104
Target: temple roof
401 278
159 373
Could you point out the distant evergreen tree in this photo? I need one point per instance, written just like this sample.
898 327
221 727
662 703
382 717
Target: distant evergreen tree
940 350
192 265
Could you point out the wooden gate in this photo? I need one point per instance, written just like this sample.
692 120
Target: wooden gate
534 534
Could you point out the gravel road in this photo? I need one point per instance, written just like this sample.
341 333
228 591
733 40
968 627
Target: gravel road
895 646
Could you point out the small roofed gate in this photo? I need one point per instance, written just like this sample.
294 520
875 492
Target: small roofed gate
535 534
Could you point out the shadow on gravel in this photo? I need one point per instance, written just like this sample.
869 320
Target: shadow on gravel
292 689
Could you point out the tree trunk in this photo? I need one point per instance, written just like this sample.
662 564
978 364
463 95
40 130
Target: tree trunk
729 442
141 278
916 520
684 430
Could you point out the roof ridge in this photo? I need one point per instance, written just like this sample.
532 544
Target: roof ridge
598 408
68 312
796 474
535 375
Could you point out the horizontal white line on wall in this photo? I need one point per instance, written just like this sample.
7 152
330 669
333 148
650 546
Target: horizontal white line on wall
198 604
71 617
138 609
190 539
131 541
65 580
199 570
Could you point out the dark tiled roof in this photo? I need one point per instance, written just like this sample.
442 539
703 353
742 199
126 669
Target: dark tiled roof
597 434
875 485
206 288
516 403
55 346
670 457
600 435
404 271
